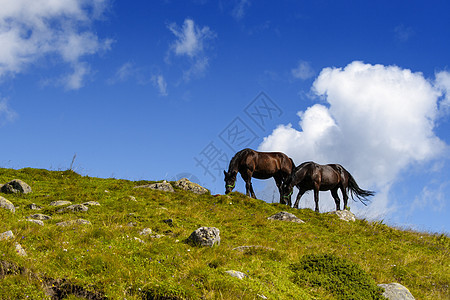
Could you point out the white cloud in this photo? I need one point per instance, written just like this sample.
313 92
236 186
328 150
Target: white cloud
443 84
161 84
378 121
239 10
303 71
191 42
31 30
6 113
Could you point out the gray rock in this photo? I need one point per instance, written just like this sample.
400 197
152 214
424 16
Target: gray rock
16 186
74 207
145 231
6 235
73 222
39 222
205 236
187 185
344 215
285 216
91 203
236 274
34 206
39 217
20 251
7 204
160 186
396 291
60 203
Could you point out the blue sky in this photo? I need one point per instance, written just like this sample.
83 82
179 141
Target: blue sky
161 89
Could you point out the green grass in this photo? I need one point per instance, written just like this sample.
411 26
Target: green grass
325 258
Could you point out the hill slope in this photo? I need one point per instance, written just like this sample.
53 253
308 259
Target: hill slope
109 258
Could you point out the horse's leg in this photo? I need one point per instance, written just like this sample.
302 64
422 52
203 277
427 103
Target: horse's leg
299 195
248 184
334 193
279 182
344 196
316 196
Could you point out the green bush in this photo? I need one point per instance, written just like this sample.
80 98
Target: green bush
340 277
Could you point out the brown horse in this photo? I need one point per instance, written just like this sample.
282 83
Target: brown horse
312 176
261 165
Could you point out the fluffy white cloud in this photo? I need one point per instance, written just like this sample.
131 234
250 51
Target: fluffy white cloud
6 113
191 42
377 121
30 30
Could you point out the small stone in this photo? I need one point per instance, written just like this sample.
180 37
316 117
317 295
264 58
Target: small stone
344 215
7 204
39 222
20 251
60 203
6 235
236 274
205 236
34 206
160 186
74 207
396 291
145 231
285 216
39 217
91 203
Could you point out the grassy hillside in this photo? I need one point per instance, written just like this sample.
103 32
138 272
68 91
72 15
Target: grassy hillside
324 258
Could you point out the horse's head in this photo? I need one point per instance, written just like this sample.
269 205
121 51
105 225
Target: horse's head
286 191
230 181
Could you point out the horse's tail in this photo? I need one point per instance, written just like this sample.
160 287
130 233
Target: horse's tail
357 191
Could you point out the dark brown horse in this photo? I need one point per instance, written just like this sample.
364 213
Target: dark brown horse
332 177
261 165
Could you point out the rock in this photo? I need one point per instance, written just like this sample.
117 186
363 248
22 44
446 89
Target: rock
169 222
145 231
205 236
16 186
236 274
6 235
91 203
20 251
73 222
39 217
74 207
39 222
160 186
345 215
34 206
285 216
132 198
139 240
396 291
7 204
60 203
186 185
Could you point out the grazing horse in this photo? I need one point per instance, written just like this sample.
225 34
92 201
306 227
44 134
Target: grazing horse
261 165
312 176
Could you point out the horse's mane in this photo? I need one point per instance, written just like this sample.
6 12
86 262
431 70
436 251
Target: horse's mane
234 162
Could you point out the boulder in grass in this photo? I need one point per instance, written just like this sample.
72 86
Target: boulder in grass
187 185
344 215
5 203
160 186
285 216
205 236
16 186
396 291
